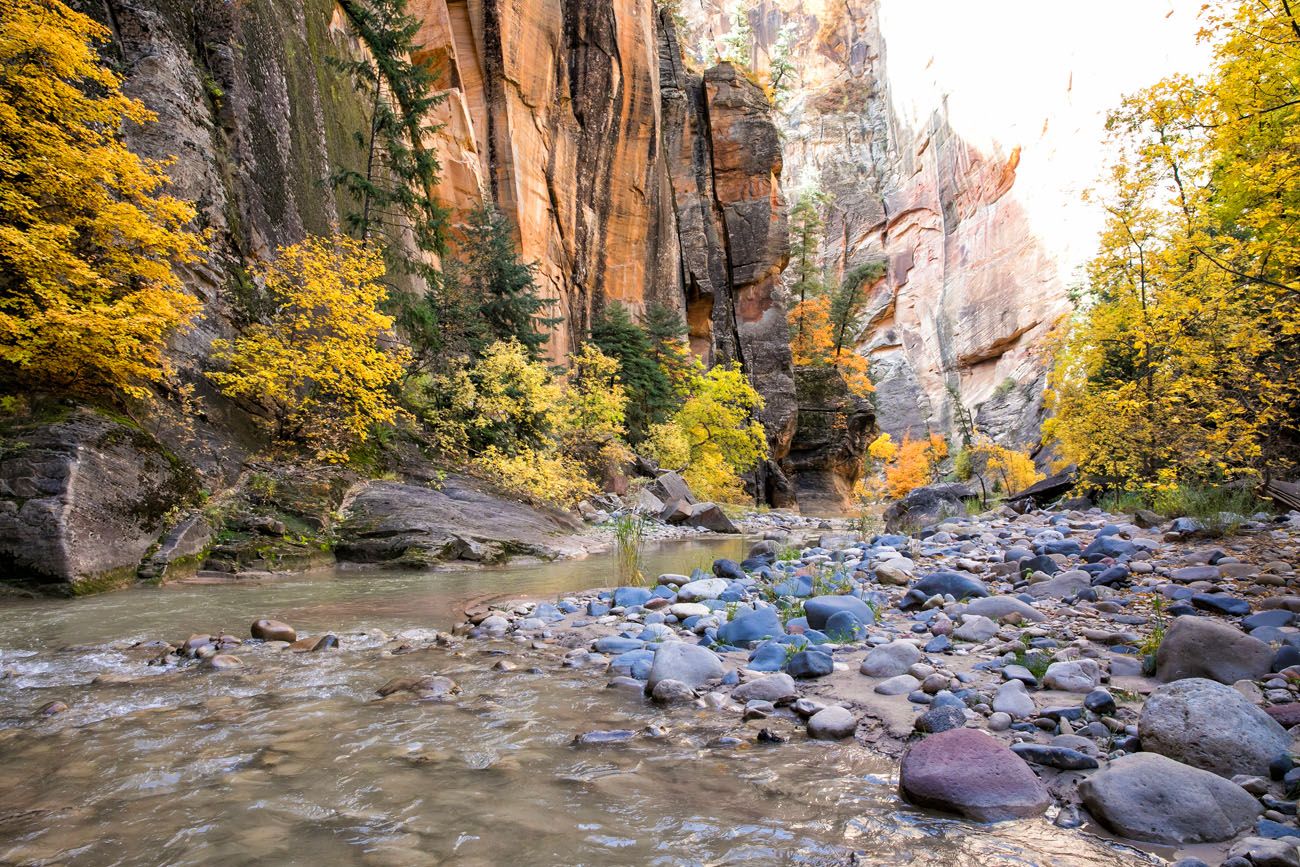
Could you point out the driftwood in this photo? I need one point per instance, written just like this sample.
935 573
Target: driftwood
1049 489
1285 494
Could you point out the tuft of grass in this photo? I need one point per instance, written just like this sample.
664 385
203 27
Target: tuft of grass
1218 507
1035 662
1150 645
629 539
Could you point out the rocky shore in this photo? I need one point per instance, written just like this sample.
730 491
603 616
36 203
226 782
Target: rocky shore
1138 674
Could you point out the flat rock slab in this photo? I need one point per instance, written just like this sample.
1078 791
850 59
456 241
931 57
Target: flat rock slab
967 772
1155 799
413 526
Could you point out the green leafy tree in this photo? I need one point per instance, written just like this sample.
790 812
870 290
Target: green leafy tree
649 392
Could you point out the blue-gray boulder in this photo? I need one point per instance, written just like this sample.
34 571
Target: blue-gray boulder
751 626
820 609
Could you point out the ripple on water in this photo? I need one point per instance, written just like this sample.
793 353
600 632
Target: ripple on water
292 759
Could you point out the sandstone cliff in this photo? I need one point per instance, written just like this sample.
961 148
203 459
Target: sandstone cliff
970 293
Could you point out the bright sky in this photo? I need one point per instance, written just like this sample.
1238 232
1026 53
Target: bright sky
1040 74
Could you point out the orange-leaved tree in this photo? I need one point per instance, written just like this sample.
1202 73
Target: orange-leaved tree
88 297
914 464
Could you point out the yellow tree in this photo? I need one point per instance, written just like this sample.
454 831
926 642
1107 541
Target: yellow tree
714 437
88 296
1180 364
322 369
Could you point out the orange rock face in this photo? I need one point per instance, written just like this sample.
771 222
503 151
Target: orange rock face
628 177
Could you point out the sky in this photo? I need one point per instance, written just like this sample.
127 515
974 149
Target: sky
1041 75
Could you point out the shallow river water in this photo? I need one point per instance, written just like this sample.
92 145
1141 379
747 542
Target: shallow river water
292 760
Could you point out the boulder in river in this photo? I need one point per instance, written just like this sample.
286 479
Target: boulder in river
751 626
1210 726
968 772
273 630
1202 647
691 664
1155 799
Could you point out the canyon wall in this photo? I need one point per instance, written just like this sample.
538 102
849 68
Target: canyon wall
626 175
955 146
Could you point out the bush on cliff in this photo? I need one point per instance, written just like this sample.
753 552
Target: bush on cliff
321 371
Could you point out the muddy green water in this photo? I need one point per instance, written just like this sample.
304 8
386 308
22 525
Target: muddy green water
290 760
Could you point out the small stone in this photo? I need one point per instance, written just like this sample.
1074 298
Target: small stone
832 723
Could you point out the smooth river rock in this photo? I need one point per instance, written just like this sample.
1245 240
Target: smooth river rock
273 630
968 772
691 664
1210 726
1202 647
1155 799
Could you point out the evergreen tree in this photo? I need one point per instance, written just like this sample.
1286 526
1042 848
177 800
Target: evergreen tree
395 188
649 393
490 276
667 334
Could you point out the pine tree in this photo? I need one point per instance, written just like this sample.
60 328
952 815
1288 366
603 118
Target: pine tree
649 393
395 188
667 334
490 274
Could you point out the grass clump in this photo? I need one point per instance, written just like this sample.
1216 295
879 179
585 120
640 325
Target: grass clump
629 540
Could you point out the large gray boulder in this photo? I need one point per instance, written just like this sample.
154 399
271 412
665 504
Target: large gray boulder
1154 799
82 500
1210 726
925 506
774 688
1202 647
669 487
890 660
967 772
414 526
691 664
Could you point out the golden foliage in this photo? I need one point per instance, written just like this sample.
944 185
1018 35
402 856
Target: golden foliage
714 436
1181 363
514 422
913 465
814 343
1012 471
883 448
88 297
319 369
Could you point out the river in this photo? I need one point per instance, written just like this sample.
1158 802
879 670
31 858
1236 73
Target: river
291 760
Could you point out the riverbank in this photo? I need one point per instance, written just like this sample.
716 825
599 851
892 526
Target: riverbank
1066 663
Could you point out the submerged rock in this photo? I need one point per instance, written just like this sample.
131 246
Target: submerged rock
273 630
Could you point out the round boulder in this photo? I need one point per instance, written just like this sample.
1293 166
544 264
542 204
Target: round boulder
967 772
832 724
691 664
890 660
1201 647
273 630
1154 799
1210 726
